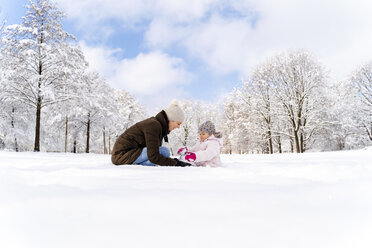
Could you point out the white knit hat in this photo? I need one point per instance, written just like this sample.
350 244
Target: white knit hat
174 112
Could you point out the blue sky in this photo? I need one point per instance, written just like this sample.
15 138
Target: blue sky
201 49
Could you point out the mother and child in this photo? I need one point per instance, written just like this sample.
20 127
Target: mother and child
142 143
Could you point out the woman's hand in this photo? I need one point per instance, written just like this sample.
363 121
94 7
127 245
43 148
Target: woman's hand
181 164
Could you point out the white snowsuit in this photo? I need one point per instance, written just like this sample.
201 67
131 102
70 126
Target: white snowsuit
207 152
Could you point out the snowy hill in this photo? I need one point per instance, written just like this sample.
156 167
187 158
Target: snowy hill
289 200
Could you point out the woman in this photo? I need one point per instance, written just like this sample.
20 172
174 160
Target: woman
141 143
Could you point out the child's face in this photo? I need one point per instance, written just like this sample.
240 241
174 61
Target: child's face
203 136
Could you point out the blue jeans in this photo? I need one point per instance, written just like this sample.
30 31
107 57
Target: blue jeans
144 160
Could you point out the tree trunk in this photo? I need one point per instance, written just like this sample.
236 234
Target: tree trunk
16 145
37 128
66 133
104 141
270 142
302 143
369 130
279 144
38 104
88 133
297 142
291 143
186 128
75 146
15 138
300 135
109 141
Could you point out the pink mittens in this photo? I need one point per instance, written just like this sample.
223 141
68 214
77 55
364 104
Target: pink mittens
186 155
190 157
182 151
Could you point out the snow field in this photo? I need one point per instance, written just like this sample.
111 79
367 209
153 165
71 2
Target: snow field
288 200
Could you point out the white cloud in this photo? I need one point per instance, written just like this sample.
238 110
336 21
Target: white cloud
222 44
155 77
101 59
163 33
133 11
183 10
151 73
337 32
92 11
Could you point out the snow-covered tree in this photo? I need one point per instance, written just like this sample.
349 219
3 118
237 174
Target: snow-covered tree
260 91
299 84
40 58
344 130
125 111
237 122
76 109
2 102
362 80
94 102
282 101
128 110
14 116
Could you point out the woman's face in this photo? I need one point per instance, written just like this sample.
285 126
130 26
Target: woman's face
203 136
174 125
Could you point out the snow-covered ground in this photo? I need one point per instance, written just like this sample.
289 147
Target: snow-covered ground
320 200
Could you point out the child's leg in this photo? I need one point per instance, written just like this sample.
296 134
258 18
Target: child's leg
144 160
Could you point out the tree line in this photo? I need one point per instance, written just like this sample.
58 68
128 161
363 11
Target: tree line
289 105
50 100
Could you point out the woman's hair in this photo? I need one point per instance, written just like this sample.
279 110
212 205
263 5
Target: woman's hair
218 135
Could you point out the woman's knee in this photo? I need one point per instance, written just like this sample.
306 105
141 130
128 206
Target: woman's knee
164 151
147 163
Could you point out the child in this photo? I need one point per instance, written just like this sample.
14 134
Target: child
206 152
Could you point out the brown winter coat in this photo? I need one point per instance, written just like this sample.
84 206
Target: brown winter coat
147 133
